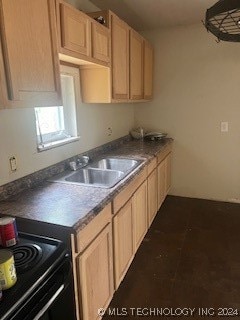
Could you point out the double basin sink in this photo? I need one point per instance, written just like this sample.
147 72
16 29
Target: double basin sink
104 173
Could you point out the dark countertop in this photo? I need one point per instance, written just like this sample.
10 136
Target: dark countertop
74 206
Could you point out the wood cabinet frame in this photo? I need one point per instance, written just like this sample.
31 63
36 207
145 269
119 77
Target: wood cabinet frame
123 241
30 73
101 43
163 175
140 214
117 230
126 82
152 196
94 272
120 59
148 60
136 62
70 40
91 47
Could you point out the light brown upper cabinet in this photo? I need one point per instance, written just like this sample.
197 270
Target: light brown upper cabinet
2 82
105 85
120 59
130 76
74 31
148 70
29 66
81 39
136 66
100 42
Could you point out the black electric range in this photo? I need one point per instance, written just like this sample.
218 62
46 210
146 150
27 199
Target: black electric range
44 287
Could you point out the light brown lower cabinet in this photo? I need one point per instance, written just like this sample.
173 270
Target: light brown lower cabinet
161 173
168 172
164 178
95 275
123 241
112 238
139 214
129 228
152 196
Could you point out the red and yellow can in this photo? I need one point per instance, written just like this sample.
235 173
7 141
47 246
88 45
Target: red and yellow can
8 275
8 232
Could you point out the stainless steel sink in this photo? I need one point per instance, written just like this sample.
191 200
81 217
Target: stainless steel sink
96 177
91 177
104 173
115 164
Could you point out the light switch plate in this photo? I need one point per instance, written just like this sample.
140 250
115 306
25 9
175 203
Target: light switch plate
224 126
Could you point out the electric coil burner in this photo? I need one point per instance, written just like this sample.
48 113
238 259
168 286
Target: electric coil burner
26 257
44 287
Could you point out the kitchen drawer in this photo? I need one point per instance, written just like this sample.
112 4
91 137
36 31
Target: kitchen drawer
125 195
90 232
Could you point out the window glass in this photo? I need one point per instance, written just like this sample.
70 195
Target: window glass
57 125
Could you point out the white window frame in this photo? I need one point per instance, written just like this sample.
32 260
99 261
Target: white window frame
70 110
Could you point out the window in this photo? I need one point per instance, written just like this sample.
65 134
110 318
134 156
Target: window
58 125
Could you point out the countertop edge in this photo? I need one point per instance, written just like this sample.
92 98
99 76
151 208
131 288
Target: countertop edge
121 186
33 198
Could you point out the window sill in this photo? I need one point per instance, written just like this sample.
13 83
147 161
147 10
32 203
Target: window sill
51 145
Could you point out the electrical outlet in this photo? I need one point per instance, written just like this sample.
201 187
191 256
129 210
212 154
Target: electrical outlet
13 163
109 131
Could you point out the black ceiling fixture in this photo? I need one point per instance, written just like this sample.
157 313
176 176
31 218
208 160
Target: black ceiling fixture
223 20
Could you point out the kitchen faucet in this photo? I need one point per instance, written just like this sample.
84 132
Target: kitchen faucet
79 163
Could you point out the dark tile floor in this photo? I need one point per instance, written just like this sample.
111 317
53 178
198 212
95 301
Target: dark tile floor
190 258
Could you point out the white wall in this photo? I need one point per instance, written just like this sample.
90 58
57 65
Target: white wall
197 85
18 136
84 5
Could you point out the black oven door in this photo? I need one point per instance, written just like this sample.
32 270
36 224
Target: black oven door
53 299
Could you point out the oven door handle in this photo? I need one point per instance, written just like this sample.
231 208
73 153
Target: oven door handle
50 302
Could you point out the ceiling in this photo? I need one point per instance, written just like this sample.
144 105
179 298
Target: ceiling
152 14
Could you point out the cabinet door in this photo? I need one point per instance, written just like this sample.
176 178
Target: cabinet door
3 94
29 53
75 30
120 59
161 173
100 42
123 241
96 275
140 214
148 70
136 66
168 172
152 196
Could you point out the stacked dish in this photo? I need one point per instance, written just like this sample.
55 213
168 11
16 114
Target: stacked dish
155 135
